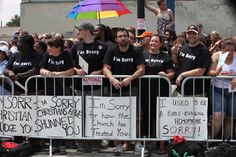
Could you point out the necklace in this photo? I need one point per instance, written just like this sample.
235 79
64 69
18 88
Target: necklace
155 58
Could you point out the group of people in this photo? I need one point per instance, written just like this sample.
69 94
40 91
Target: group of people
118 51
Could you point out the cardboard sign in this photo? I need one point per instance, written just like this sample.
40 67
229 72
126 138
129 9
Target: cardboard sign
185 116
110 117
40 116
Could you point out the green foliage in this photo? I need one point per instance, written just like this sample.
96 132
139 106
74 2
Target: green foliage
14 22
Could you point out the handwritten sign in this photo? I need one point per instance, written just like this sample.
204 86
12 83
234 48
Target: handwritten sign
110 117
185 116
40 116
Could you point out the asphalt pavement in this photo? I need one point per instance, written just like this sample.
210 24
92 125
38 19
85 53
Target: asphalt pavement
105 153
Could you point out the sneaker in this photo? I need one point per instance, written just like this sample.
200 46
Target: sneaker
138 150
118 150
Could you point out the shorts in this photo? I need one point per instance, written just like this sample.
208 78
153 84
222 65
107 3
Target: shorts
228 106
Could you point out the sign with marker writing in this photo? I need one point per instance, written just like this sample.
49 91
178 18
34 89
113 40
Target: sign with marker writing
110 117
40 116
185 116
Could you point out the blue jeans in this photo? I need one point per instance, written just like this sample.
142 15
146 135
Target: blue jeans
228 106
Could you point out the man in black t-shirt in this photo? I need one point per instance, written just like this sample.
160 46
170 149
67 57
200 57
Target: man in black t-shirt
90 50
123 59
193 59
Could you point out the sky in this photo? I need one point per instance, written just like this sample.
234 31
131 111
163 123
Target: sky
8 8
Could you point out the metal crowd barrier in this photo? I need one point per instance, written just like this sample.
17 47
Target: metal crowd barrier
6 88
207 88
81 94
102 88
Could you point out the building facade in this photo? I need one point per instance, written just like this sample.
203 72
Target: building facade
51 16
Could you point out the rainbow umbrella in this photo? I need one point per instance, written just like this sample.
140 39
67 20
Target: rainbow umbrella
98 9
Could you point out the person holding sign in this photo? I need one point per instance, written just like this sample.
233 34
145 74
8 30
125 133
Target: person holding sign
223 64
157 62
123 59
87 55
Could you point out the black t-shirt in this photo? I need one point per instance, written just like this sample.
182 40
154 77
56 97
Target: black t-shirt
62 62
156 63
192 58
92 53
20 62
123 63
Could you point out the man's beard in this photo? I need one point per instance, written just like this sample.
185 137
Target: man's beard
123 44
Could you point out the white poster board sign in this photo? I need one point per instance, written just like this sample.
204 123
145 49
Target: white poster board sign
41 116
110 117
185 116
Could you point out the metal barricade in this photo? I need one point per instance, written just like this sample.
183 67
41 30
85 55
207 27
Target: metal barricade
221 101
95 85
6 89
41 92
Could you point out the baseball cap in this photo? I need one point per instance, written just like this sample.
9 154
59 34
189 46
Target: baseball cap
145 34
4 43
192 28
85 26
4 48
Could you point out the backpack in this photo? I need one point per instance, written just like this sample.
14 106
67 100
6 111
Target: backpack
222 150
181 148
13 149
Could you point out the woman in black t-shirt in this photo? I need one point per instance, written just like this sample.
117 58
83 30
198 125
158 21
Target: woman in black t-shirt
157 63
56 62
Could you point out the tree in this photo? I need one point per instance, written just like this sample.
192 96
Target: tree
14 22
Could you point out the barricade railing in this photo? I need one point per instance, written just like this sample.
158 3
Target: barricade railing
98 88
72 107
101 93
220 101
6 88
103 88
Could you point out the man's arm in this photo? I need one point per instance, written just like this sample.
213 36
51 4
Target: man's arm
108 74
139 72
194 72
